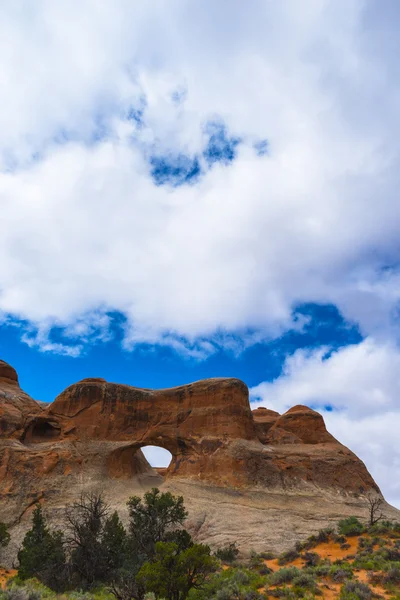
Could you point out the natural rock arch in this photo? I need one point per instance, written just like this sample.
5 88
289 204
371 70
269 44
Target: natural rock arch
97 427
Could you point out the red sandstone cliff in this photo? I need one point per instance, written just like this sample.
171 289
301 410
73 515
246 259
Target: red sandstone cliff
226 458
207 426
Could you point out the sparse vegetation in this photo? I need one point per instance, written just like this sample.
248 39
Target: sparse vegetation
156 559
4 535
350 527
375 504
228 554
355 590
288 556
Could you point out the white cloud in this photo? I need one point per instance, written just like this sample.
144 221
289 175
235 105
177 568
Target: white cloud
362 385
84 228
85 231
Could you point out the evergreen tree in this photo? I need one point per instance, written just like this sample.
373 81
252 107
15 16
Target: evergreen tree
42 553
85 522
151 519
172 574
114 544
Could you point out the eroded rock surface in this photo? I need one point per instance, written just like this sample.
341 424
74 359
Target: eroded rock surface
90 438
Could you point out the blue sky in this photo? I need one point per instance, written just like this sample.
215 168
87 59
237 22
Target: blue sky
46 374
207 189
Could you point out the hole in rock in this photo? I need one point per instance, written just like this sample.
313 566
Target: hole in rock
41 431
158 458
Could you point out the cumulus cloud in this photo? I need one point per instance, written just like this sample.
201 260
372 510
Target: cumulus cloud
91 91
357 389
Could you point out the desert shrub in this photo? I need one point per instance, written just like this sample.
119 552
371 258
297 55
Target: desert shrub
323 535
366 544
267 555
4 535
339 539
305 580
312 559
285 575
340 575
285 592
231 583
355 590
370 561
255 560
310 543
350 526
20 593
376 578
383 528
300 546
253 595
341 572
392 576
321 570
228 553
288 556
264 570
345 546
32 587
392 554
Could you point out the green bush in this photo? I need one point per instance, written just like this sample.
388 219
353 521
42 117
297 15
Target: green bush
267 555
288 556
321 570
228 553
350 527
370 561
392 576
285 575
173 573
341 572
312 559
4 535
355 590
305 580
20 593
231 583
391 554
264 570
255 561
323 536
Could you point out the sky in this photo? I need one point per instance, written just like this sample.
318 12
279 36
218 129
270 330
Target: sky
198 189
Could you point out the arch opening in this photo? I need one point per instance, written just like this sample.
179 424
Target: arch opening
41 430
158 458
129 461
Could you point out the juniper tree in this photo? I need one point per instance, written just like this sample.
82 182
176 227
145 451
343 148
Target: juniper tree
42 553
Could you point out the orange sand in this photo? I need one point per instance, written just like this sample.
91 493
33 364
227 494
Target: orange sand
5 575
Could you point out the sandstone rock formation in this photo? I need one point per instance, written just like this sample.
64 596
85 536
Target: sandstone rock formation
91 435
